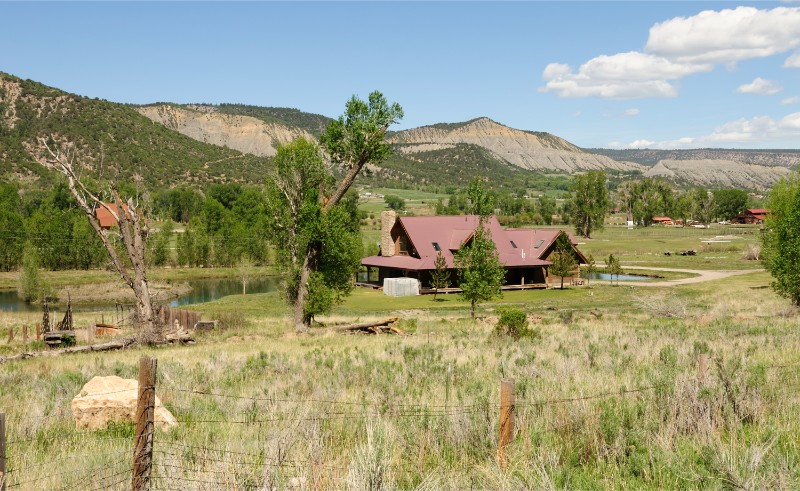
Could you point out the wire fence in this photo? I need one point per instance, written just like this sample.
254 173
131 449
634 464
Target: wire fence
267 457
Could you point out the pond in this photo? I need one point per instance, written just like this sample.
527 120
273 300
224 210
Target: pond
208 290
621 277
202 291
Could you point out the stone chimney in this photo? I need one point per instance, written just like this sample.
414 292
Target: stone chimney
388 217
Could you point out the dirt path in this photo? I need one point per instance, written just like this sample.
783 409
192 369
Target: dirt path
702 275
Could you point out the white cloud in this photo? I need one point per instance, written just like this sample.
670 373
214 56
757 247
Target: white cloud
790 100
760 86
727 35
631 112
792 61
679 47
757 130
631 75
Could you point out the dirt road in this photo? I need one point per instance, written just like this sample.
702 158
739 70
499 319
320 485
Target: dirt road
702 275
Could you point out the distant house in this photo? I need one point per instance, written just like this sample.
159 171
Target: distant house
409 247
663 221
106 219
751 216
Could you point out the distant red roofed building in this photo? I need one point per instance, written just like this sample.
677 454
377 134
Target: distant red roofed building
752 216
663 220
409 247
105 217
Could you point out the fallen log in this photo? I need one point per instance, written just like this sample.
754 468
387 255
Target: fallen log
374 327
116 344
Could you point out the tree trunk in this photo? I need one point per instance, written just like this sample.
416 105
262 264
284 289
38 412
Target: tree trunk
472 309
133 230
302 321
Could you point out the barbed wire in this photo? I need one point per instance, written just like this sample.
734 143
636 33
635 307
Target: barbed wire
273 462
57 474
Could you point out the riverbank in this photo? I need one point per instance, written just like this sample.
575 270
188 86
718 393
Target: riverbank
98 287
60 279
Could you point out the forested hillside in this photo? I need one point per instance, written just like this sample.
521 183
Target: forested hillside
111 139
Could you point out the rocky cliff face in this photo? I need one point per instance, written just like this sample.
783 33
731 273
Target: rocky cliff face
718 173
243 133
529 150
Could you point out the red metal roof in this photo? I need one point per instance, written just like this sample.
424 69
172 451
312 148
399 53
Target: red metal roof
452 232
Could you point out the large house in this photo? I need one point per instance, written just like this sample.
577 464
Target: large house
409 247
752 216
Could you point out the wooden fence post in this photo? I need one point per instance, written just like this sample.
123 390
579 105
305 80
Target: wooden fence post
3 452
145 411
10 334
38 332
25 334
507 403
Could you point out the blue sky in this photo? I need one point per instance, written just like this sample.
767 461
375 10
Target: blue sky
600 74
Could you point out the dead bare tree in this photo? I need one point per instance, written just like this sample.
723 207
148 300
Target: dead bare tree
133 231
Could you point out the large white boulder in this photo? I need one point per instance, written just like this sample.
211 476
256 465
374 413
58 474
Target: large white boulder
106 399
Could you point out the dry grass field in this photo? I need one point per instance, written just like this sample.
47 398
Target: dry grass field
608 394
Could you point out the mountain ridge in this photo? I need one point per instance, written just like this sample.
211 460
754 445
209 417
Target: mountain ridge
167 144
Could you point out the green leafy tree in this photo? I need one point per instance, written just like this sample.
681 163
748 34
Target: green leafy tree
159 245
781 238
589 269
613 267
729 202
87 250
440 276
353 140
547 208
301 224
650 197
395 202
480 201
589 202
480 272
31 285
563 265
682 209
12 238
564 262
702 207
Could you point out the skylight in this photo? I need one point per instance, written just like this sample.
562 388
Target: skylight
513 244
538 244
436 246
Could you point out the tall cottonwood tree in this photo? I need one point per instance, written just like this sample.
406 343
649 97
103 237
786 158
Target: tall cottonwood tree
589 202
352 141
133 231
300 223
781 238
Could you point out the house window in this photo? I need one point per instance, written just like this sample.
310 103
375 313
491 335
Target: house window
513 244
402 245
436 246
538 244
